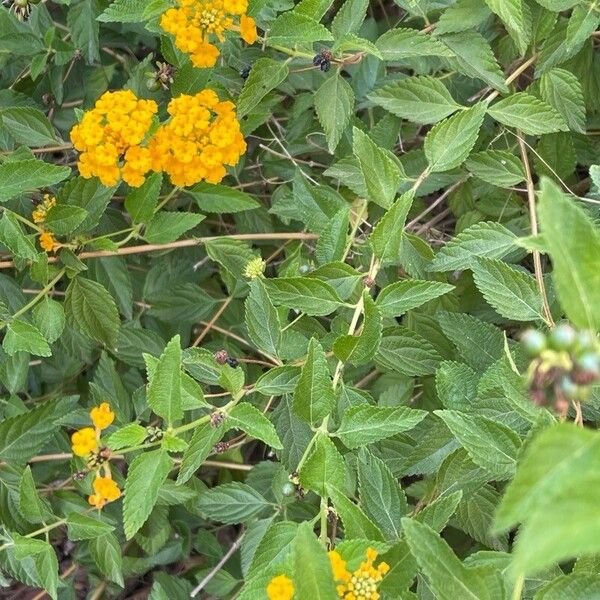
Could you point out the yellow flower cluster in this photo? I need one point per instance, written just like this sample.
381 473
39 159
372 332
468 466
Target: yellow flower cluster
105 490
196 22
47 240
85 441
280 588
362 584
110 138
202 136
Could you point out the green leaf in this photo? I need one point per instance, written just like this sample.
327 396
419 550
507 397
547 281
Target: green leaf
231 503
400 44
575 586
315 9
146 474
22 176
486 239
201 446
84 28
558 5
92 310
448 143
381 171
349 18
313 577
478 343
63 220
31 505
407 352
314 397
563 91
220 199
582 24
292 28
49 318
44 559
334 103
398 298
24 337
360 349
14 238
141 202
527 113
381 496
165 227
28 126
497 167
250 420
123 11
475 58
132 434
448 578
340 276
84 527
553 495
106 552
278 381
516 16
419 99
164 389
387 237
573 243
22 436
490 444
266 75
324 466
262 320
464 15
356 523
363 425
513 293
311 296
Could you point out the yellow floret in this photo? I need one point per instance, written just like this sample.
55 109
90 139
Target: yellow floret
102 416
280 588
84 441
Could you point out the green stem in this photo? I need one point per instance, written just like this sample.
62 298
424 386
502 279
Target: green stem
37 298
37 532
518 589
167 198
323 514
291 52
23 219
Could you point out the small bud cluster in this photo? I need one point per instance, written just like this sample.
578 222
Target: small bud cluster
565 364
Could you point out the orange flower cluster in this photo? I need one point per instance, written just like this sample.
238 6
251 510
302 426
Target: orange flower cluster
110 138
196 22
47 240
202 136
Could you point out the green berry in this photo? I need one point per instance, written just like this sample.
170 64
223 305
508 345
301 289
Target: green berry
590 363
21 3
288 489
534 342
563 337
569 387
586 340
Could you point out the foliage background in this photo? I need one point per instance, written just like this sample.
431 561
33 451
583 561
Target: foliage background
396 199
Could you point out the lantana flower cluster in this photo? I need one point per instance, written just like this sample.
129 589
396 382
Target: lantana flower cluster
86 443
200 139
196 23
361 584
47 240
202 136
111 138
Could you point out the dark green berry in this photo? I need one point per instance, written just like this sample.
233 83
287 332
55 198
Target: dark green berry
589 362
569 387
534 342
563 337
288 489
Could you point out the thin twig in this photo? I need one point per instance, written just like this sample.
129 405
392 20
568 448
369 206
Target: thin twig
218 566
537 259
8 264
